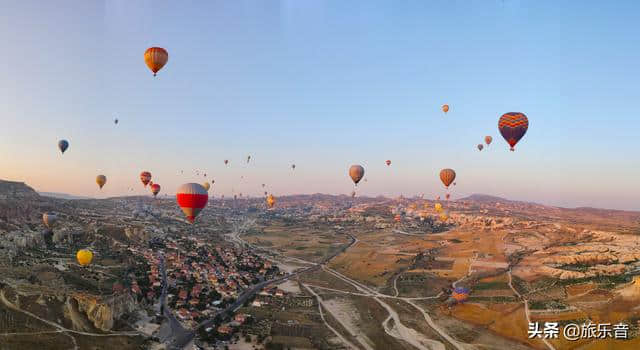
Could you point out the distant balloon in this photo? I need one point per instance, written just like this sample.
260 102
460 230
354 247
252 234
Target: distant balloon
155 189
226 161
101 180
388 162
447 176
356 172
63 145
513 126
397 218
192 198
84 257
49 219
156 58
488 139
438 207
460 294
271 201
445 108
248 159
206 186
480 147
145 177
293 166
444 216
265 193
115 121
213 181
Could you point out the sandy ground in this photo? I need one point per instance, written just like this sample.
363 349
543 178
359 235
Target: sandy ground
290 287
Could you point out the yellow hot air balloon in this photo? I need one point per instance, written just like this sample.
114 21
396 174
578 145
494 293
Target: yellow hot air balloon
271 201
438 207
84 257
444 216
206 186
101 180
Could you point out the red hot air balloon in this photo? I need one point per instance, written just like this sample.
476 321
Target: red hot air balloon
388 162
145 177
513 126
192 198
155 188
488 139
447 176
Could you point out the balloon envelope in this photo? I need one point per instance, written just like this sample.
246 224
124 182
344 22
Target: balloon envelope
206 186
513 126
84 257
445 108
101 180
145 177
192 198
447 176
480 147
63 145
156 58
49 219
271 201
388 162
356 172
155 189
488 139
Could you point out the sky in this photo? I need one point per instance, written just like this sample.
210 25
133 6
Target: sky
324 84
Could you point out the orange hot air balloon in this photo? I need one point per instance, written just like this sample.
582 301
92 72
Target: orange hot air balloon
156 58
445 108
271 201
192 198
356 172
101 180
488 139
145 177
447 176
155 189
388 162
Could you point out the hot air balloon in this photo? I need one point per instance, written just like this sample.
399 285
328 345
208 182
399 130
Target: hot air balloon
205 174
444 216
388 162
248 159
438 207
192 198
265 193
155 189
480 147
447 176
513 126
49 219
397 218
271 201
206 186
63 145
84 257
115 121
488 139
356 172
145 177
445 108
226 161
213 181
460 294
156 58
101 180
293 166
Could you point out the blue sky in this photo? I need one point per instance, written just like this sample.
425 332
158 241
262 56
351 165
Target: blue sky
324 84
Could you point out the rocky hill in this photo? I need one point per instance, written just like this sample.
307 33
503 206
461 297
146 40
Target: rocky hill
16 190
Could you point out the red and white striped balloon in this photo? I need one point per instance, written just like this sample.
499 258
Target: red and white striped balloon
192 198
